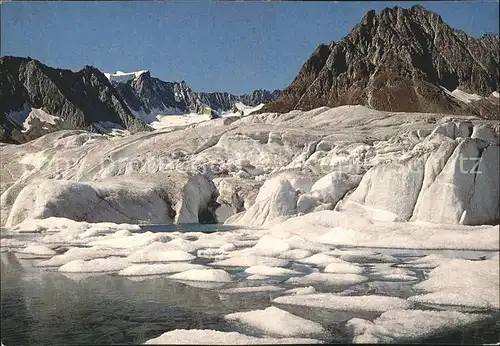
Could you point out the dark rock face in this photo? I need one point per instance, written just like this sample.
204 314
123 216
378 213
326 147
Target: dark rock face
398 60
83 99
80 98
146 95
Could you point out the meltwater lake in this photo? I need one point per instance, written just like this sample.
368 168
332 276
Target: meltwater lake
41 306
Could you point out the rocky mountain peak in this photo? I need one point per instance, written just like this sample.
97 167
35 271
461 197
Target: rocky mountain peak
81 100
399 59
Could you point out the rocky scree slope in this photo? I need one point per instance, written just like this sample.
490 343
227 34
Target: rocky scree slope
399 60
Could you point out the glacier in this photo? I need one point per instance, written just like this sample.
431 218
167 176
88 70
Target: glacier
329 206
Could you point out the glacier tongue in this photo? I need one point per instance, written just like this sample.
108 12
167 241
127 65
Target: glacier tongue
266 168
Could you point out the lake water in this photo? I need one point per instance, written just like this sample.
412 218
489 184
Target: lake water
45 307
195 227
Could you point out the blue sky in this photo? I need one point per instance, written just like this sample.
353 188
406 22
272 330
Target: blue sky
213 46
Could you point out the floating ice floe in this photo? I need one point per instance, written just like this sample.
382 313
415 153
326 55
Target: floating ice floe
37 250
82 253
295 254
366 258
257 277
328 278
216 254
241 260
408 325
109 264
128 241
12 243
426 262
343 268
158 268
320 259
213 337
251 289
209 275
159 252
348 229
332 301
70 227
301 290
181 244
278 322
462 283
270 271
384 271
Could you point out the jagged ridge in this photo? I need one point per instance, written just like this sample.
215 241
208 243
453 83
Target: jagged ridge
80 98
147 96
398 60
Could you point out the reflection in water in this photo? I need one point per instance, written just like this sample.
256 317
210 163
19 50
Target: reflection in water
41 307
56 310
190 227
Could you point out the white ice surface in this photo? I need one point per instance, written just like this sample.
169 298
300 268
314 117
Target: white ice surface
251 289
408 325
343 268
245 109
462 283
328 278
257 277
240 260
159 252
24 117
110 128
39 250
122 77
81 253
210 275
270 271
12 243
346 229
213 337
278 322
109 264
301 290
320 259
427 262
384 271
128 241
463 96
164 122
295 254
182 244
158 268
345 303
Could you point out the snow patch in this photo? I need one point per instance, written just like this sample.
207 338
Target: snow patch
462 95
123 77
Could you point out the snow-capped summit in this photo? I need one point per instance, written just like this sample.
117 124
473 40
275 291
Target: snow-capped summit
123 77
